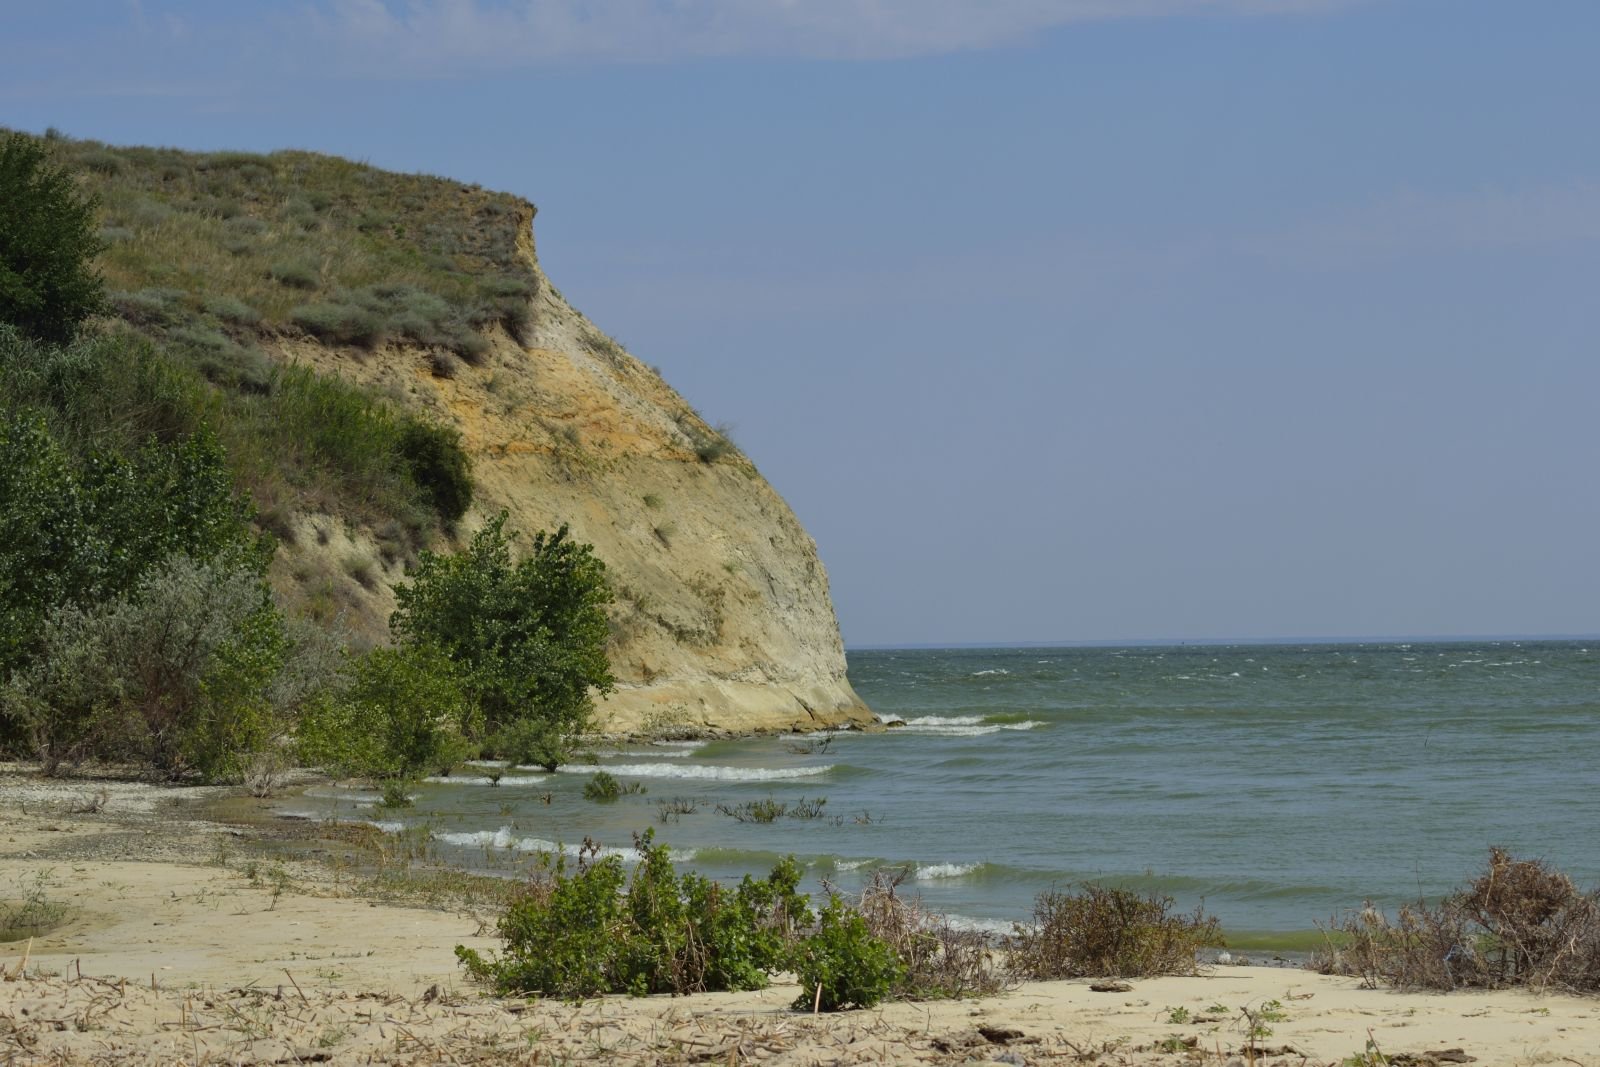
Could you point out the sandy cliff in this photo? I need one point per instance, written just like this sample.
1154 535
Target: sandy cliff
722 617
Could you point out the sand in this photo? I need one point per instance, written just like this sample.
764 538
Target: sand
177 949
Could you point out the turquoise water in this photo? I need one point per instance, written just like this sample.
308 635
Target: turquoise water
1276 783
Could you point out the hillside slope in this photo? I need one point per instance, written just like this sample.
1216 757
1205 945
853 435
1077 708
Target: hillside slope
429 293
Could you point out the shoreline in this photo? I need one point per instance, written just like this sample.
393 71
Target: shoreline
197 940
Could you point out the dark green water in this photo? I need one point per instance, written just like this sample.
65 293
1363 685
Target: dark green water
1278 783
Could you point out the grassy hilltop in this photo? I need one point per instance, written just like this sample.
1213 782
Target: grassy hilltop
217 257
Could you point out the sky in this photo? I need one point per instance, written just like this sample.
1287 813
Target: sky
1054 320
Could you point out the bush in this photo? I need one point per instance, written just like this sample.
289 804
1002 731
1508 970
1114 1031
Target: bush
1109 932
938 961
579 935
1520 923
530 636
602 786
400 714
294 275
438 465
842 965
80 531
48 241
174 676
344 324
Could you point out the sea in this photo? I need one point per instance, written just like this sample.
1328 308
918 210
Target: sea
1274 785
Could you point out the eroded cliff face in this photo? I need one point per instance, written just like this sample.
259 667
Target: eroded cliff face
722 617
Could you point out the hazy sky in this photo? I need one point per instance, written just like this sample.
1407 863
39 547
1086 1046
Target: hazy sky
1053 319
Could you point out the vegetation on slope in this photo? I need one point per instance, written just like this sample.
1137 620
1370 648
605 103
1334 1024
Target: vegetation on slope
138 456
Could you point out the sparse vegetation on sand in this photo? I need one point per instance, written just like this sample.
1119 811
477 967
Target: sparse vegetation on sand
1520 923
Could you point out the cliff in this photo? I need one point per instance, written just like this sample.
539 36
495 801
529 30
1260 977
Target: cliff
722 617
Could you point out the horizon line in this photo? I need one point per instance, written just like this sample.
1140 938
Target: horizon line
1168 642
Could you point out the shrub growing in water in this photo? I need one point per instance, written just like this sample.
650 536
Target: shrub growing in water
400 714
530 636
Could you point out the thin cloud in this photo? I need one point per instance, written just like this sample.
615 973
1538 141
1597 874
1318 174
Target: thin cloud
511 33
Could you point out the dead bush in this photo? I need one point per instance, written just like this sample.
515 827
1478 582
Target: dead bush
1102 931
1519 923
940 961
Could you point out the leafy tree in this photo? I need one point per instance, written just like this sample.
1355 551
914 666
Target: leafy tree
401 714
530 636
80 530
47 241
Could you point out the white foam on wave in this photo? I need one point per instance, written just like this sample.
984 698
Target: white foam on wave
487 763
504 838
706 772
505 779
388 826
964 725
849 865
945 870
982 926
670 753
993 670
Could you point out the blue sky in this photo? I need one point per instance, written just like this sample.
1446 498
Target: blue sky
1053 319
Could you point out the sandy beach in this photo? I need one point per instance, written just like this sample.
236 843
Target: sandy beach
183 939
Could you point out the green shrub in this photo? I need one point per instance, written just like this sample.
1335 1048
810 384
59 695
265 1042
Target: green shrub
842 965
232 310
1107 931
83 529
531 636
400 714
345 324
602 786
579 935
438 465
294 275
174 676
48 241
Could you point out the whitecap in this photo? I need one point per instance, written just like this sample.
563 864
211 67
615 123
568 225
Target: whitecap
982 926
945 870
504 838
505 779
993 670
705 771
388 826
849 865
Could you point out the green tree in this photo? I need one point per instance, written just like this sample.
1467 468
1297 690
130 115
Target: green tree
401 714
48 239
530 636
80 530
